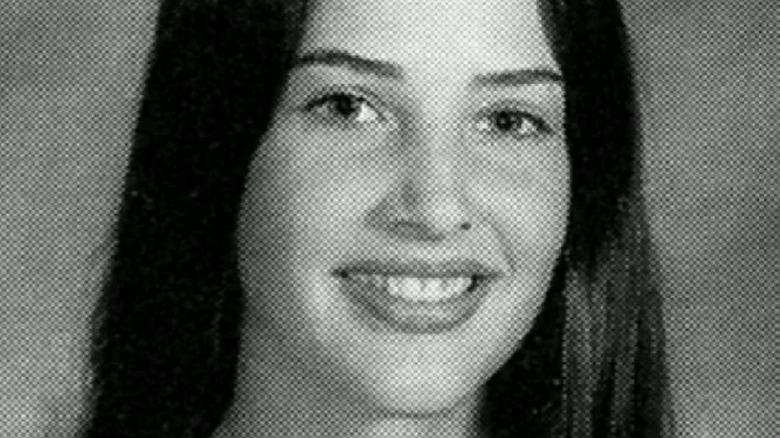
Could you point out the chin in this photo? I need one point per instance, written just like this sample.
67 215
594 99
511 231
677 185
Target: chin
418 393
417 403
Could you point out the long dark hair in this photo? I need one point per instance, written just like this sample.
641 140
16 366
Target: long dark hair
168 323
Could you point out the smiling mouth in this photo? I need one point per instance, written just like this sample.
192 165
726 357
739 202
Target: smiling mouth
417 289
419 280
417 296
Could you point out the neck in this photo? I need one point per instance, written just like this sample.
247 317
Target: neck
277 398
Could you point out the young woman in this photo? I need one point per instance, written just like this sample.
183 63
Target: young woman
383 218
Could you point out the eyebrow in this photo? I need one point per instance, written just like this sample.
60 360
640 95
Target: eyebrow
389 70
514 78
359 64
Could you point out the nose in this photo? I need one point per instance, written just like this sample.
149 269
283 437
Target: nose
427 201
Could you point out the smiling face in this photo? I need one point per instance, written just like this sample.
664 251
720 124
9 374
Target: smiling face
418 146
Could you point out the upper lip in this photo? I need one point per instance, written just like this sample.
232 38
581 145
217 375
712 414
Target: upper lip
419 268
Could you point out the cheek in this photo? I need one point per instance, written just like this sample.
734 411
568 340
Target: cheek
312 187
287 233
296 204
301 212
527 199
528 207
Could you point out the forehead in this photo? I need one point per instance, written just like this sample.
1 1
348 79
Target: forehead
440 35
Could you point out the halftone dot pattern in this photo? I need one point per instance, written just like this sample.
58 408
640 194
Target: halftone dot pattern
70 80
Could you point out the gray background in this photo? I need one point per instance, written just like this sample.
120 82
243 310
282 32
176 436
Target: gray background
70 75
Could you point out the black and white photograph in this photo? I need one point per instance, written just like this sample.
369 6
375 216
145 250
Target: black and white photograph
389 218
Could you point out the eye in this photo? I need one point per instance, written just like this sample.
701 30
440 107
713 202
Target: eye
344 107
516 123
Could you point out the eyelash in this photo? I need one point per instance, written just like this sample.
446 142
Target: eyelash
487 122
491 123
324 105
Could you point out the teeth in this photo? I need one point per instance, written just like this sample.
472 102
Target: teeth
455 285
412 288
417 289
394 287
432 288
379 281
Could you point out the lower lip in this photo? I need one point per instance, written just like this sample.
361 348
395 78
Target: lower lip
416 317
